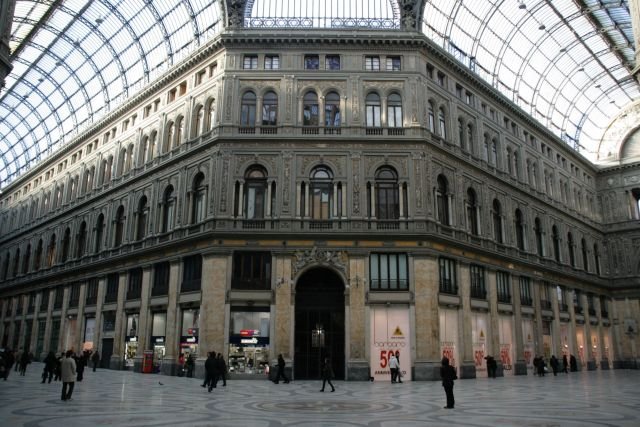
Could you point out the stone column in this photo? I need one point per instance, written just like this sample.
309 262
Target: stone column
283 310
117 357
555 325
23 324
493 333
539 335
47 329
519 367
604 362
80 322
588 345
97 336
216 268
35 326
427 333
467 367
12 326
572 327
357 365
63 320
170 361
144 319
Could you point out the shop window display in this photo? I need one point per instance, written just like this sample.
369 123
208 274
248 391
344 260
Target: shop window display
131 339
249 341
189 332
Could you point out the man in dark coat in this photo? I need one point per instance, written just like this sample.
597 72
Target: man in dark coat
565 364
210 369
95 358
50 363
448 375
221 369
554 365
80 363
9 360
281 374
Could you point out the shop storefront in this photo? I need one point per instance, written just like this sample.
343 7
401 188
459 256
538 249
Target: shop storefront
70 333
582 352
89 333
131 340
449 333
529 349
480 347
567 346
249 340
189 332
390 333
547 340
507 341
158 339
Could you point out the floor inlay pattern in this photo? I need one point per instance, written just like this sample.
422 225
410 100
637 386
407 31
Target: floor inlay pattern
120 398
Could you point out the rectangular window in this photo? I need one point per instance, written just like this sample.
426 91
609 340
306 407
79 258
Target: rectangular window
44 301
134 289
92 292
311 62
393 63
252 271
271 62
459 91
192 273
525 291
332 62
478 287
250 62
160 278
111 294
430 71
388 272
57 301
442 79
200 77
109 321
172 95
468 98
372 63
448 283
504 287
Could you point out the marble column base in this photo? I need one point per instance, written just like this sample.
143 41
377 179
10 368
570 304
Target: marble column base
358 371
426 371
137 364
116 363
591 365
467 370
199 371
169 366
520 368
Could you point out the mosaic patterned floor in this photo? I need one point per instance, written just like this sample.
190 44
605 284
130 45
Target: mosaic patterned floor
118 398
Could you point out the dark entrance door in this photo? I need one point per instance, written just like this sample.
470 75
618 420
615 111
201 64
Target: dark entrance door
107 351
319 303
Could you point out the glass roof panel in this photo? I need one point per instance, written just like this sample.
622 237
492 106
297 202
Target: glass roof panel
86 57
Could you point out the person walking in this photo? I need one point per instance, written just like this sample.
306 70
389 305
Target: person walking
565 364
393 367
9 360
210 368
80 363
190 364
57 372
68 369
327 374
221 369
49 367
280 374
398 369
554 365
448 375
18 359
24 361
95 358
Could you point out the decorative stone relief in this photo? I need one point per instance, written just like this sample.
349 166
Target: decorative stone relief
286 157
259 85
225 182
355 100
383 86
355 165
417 162
228 88
630 180
302 259
408 14
289 97
414 101
235 12
322 86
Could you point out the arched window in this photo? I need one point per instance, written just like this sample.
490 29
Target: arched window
179 129
585 257
442 123
497 222
394 111
387 194
153 146
310 113
170 131
66 244
596 258
270 109
256 193
472 212
321 191
51 251
571 247
16 263
442 200
519 229
99 233
198 192
248 109
485 148
431 117
516 164
556 243
37 262
26 260
119 227
198 126
372 110
211 114
534 175
81 240
332 116
142 214
539 237
168 210
509 161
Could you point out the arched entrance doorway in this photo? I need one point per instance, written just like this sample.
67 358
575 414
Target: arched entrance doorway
319 305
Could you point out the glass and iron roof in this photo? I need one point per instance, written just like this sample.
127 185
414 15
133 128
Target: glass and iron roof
567 63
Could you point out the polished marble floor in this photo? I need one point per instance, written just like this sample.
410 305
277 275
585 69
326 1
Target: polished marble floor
120 398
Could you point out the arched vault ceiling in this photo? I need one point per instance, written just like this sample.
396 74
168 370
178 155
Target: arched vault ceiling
567 63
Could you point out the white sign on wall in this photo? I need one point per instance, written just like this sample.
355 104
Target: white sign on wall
390 333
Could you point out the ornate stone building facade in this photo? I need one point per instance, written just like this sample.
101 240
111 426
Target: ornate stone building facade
311 193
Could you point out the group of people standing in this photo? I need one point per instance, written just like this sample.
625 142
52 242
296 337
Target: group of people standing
11 359
215 370
540 366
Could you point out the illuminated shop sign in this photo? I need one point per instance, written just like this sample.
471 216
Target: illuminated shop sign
131 339
188 340
249 341
249 332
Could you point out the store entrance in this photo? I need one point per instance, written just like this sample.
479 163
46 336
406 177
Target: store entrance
319 324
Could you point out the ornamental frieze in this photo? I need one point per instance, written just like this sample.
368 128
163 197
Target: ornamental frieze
315 256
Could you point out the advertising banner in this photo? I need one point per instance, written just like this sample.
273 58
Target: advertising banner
390 334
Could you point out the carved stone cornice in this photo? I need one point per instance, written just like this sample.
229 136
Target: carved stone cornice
320 257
